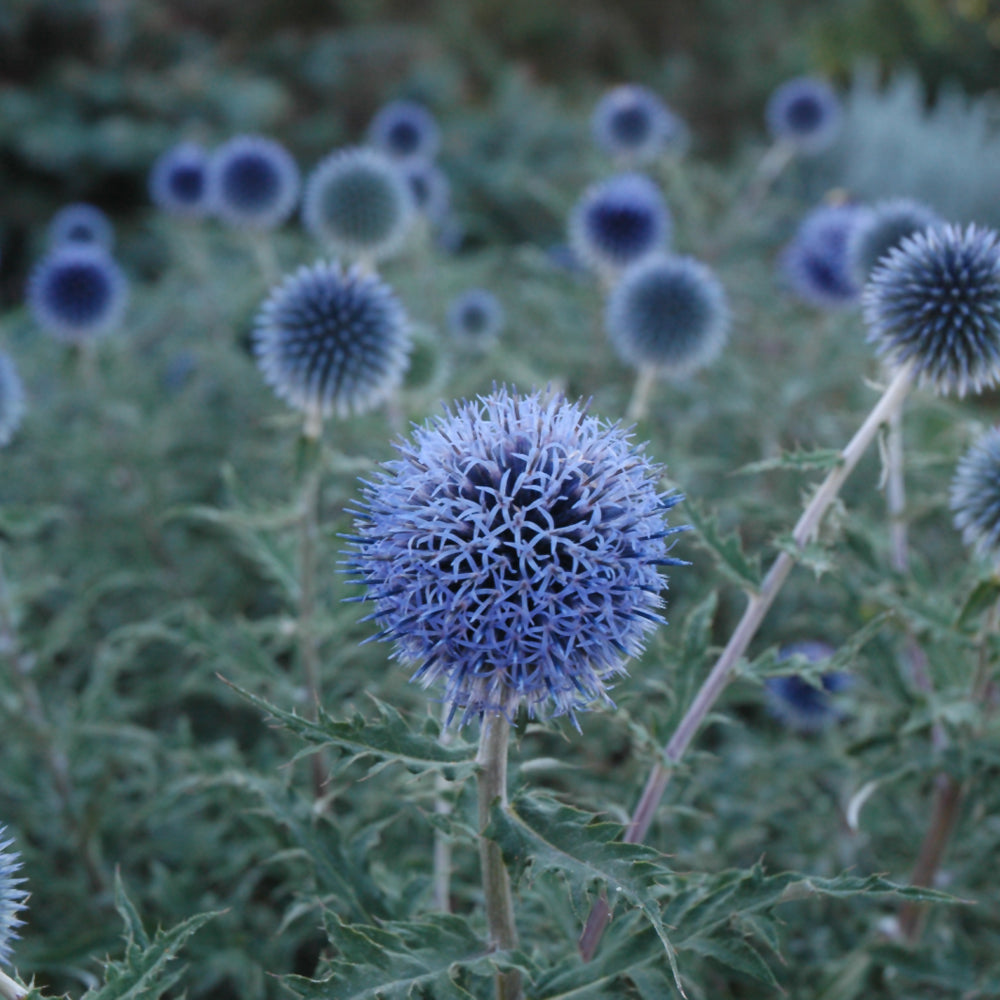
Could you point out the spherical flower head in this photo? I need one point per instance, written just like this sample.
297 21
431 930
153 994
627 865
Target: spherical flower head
513 551
12 896
11 400
475 318
804 112
619 221
405 130
884 227
81 223
178 182
77 292
330 341
253 183
797 703
934 302
815 263
975 496
667 312
632 123
430 190
357 204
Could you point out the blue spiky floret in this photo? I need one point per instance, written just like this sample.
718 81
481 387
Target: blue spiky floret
332 341
975 495
179 182
815 263
806 112
12 896
11 399
81 222
475 317
253 182
934 302
513 551
405 130
631 122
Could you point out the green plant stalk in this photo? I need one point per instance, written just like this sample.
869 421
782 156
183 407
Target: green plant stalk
266 257
757 607
638 405
442 842
10 989
492 760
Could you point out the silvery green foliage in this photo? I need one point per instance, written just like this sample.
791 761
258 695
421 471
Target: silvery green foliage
975 495
13 896
11 399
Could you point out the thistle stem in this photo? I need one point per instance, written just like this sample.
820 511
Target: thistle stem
757 606
442 842
638 405
492 760
10 989
266 257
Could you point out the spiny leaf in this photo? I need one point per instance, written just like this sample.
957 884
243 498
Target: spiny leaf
727 549
736 953
822 459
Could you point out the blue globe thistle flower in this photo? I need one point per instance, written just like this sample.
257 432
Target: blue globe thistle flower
11 400
330 341
669 313
513 551
81 223
975 495
12 896
799 704
619 221
77 292
804 112
253 182
935 302
881 228
357 204
475 317
815 263
405 130
429 188
179 182
631 122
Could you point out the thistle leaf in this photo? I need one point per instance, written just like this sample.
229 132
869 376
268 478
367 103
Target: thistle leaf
726 549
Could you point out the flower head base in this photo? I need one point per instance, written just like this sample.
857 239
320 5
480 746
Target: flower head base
77 292
619 221
11 400
934 302
12 896
178 182
883 228
632 123
975 496
81 223
405 130
815 263
253 183
329 341
513 551
475 318
357 204
669 313
804 112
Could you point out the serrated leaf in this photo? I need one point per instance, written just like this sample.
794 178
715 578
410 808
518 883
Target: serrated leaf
821 459
726 549
738 954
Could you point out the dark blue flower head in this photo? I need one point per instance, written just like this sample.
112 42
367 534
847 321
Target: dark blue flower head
405 130
178 182
77 292
475 318
81 223
513 551
883 228
815 263
619 221
12 896
669 313
632 123
799 704
253 182
330 341
11 399
804 112
975 495
934 302
429 188
357 204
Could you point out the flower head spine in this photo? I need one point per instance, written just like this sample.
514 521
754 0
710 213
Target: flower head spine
12 896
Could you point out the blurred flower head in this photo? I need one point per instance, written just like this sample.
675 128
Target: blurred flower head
429 188
797 703
934 302
884 226
805 112
475 317
815 263
513 551
668 312
178 182
630 122
975 496
253 182
12 896
405 130
11 399
81 223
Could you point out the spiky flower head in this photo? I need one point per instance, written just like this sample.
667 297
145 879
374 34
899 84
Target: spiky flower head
253 182
77 292
11 399
669 313
357 204
975 496
405 130
618 221
632 123
799 704
179 183
429 188
332 341
805 112
81 223
475 317
815 263
883 227
934 302
12 896
512 551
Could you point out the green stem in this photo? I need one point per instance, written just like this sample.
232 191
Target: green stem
442 842
638 405
11 989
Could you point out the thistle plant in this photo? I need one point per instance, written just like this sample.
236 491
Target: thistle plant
634 126
405 131
13 899
475 319
81 223
179 181
883 228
